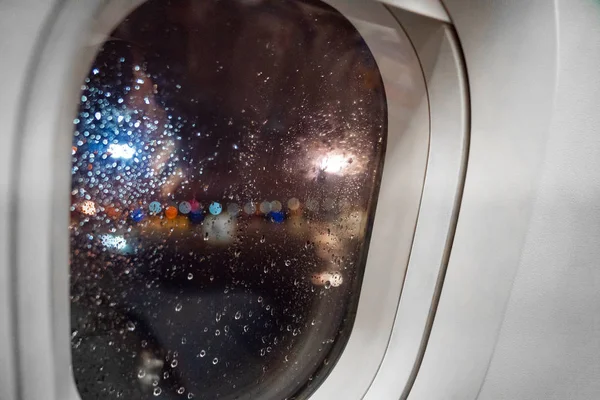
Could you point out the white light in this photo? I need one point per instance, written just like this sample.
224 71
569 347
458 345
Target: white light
333 163
219 228
121 151
332 279
88 207
113 242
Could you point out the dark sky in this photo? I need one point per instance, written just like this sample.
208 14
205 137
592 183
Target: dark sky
256 92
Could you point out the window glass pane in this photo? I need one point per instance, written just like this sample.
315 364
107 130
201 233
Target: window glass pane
226 160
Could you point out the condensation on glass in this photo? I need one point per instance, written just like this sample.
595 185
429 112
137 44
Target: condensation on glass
225 167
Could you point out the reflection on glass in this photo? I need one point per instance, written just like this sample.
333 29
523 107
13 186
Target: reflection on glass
226 157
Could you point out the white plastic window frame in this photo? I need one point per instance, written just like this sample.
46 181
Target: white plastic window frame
41 250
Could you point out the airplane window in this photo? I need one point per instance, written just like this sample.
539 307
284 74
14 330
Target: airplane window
225 166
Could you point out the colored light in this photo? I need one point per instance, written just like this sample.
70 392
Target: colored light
112 212
155 207
293 204
233 209
196 216
249 208
171 212
215 208
277 216
185 207
265 207
137 215
195 205
276 206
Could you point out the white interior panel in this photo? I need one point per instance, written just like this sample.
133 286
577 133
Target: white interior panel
27 18
429 8
510 50
549 347
441 59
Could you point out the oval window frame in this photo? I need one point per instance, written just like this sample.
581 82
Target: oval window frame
66 57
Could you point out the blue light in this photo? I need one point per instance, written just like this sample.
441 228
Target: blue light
155 207
196 216
215 208
137 215
277 216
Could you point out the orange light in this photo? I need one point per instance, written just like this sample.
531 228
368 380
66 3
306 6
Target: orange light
112 212
171 212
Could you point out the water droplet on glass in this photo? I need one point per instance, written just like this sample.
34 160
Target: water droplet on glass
287 263
238 315
190 276
181 390
262 239
202 353
157 391
215 361
130 326
174 363
178 307
141 373
327 285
